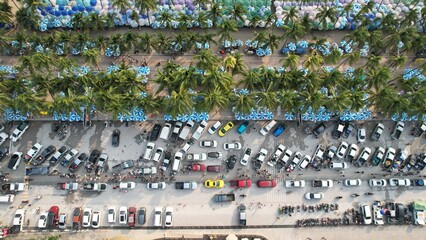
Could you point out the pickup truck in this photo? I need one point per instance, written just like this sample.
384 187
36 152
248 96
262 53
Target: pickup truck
243 216
148 170
91 186
13 187
377 132
322 183
224 197
46 153
37 171
419 130
67 186
399 127
69 157
197 134
58 155
186 130
186 185
274 158
295 183
242 183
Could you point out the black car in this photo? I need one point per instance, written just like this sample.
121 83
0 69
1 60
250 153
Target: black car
230 163
92 160
400 213
3 152
14 160
141 215
78 162
214 154
348 129
319 129
155 132
166 161
50 220
116 138
49 151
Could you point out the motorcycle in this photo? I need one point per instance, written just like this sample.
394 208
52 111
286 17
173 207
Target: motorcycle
369 193
339 197
355 195
243 195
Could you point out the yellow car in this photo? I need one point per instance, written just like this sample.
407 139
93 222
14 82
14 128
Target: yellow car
214 183
225 129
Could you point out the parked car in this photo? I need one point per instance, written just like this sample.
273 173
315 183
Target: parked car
188 144
156 185
19 131
42 221
77 217
78 162
58 155
142 215
265 130
228 126
389 157
62 223
14 161
341 150
200 130
169 217
348 129
127 185
158 216
286 157
196 157
186 130
148 151
330 153
19 218
52 217
115 138
69 157
208 143
279 130
320 128
165 132
337 133
122 215
176 131
102 165
232 146
418 130
3 137
240 183
353 152
32 153
131 219
314 196
96 218
186 185
243 127
377 182
215 127
155 132
305 162
295 183
399 182
46 153
214 168
230 162
338 165
91 162
361 135
111 215
246 157
377 132
363 157
214 183
397 131
158 154
198 167
366 214
378 156
352 182
267 183
214 155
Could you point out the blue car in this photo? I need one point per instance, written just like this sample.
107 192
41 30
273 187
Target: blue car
242 128
280 129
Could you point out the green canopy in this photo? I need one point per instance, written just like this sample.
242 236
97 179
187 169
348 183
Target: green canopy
419 205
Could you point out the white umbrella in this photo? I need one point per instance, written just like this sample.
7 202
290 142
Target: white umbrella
231 237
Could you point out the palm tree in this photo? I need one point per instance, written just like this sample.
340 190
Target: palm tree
254 20
96 22
267 99
121 5
27 19
146 43
373 62
404 35
207 37
217 79
206 59
66 102
28 102
165 18
183 21
291 61
352 58
148 103
326 13
215 13
227 27
5 12
396 61
179 102
186 77
347 9
359 36
215 98
243 103
313 61
162 42
146 6
239 66
288 99
377 77
130 39
290 16
251 80
273 41
410 18
332 80
92 56
334 56
339 102
314 99
389 21
295 31
229 62
238 11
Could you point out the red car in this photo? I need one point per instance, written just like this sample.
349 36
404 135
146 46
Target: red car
131 217
52 216
214 168
241 183
267 183
198 167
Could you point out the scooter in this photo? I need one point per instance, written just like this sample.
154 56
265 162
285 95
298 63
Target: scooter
339 197
369 193
355 195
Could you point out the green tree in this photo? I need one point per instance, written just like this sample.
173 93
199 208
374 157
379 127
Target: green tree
251 80
291 61
146 6
215 98
206 59
326 14
377 77
92 56
313 61
180 102
217 79
227 27
243 103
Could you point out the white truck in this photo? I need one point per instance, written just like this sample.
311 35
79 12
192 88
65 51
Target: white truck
199 131
399 127
186 130
322 183
98 187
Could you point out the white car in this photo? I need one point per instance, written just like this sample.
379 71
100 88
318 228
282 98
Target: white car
215 127
14 161
338 165
87 216
366 214
156 185
199 131
62 223
208 143
18 219
111 215
96 217
361 135
32 153
353 151
127 185
353 182
246 157
232 146
390 154
377 182
3 137
42 220
286 156
279 151
295 183
148 151
17 187
398 182
305 162
169 217
188 144
158 153
122 215
262 154
312 196
341 150
165 132
19 131
363 157
196 157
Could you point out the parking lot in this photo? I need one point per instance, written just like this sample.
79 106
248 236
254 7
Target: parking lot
196 207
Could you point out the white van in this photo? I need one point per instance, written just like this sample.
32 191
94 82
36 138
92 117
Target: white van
176 161
268 127
165 132
157 216
7 198
366 213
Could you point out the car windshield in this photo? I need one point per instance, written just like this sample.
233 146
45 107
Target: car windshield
21 126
